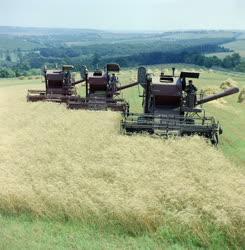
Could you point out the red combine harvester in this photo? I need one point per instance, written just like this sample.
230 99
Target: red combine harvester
171 107
101 90
59 86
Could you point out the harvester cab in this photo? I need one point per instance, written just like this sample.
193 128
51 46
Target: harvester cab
59 86
101 90
103 83
170 106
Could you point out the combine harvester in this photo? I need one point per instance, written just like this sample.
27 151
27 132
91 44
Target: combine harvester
59 86
172 108
101 91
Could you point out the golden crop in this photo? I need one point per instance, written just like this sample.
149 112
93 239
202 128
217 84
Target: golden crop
75 164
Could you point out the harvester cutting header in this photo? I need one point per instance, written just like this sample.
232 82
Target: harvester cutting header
171 107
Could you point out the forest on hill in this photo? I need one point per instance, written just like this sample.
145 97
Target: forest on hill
24 51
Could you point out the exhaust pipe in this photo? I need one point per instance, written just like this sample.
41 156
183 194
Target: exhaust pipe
173 69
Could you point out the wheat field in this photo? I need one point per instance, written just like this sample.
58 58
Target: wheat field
60 163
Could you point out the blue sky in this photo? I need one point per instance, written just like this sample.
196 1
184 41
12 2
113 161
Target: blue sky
125 14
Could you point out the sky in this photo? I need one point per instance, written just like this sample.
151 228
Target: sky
125 15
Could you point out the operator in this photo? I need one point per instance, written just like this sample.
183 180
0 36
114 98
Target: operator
113 82
67 76
191 90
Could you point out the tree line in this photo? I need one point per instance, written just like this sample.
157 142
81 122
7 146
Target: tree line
30 63
231 62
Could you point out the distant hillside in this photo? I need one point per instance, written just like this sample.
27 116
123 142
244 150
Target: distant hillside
24 48
31 31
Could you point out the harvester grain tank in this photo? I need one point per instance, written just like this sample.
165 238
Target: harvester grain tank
102 90
59 86
171 107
